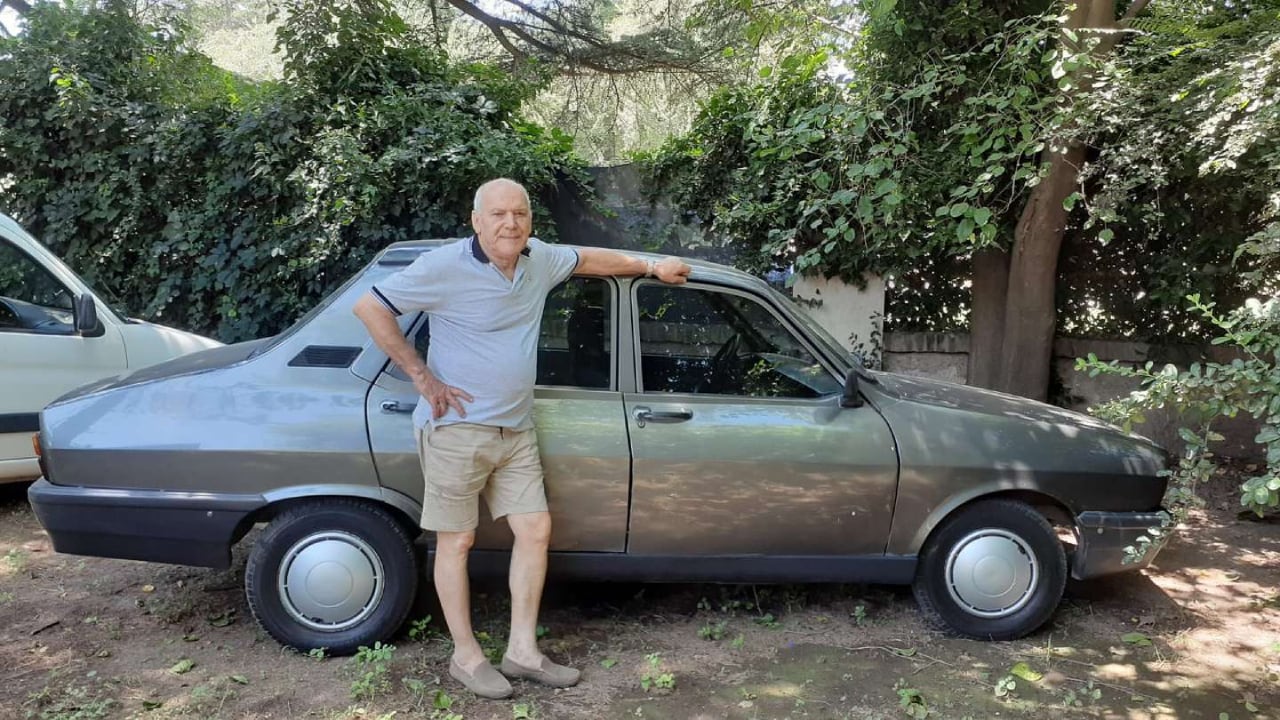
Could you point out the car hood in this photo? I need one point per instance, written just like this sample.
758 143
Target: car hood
966 398
148 343
197 362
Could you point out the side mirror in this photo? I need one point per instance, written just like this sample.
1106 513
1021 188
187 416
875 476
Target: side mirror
851 398
86 316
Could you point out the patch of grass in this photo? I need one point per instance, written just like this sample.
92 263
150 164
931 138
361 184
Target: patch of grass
1088 693
911 700
860 615
370 667
16 559
493 647
654 677
208 701
69 703
767 620
421 629
713 631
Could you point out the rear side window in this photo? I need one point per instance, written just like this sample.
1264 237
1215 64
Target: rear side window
575 342
32 300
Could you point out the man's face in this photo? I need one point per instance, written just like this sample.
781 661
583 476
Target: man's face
503 222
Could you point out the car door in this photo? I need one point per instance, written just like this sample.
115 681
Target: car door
582 432
738 439
41 355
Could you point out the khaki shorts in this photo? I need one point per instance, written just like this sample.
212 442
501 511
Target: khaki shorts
461 462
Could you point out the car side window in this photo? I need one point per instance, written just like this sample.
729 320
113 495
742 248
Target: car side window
575 342
32 300
705 341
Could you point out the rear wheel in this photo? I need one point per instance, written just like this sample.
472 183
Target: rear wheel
995 570
334 574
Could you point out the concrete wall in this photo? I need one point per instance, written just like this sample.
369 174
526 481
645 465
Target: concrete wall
850 314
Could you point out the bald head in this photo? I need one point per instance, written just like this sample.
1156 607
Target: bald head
503 221
497 185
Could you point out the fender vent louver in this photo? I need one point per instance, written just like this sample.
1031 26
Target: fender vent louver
325 356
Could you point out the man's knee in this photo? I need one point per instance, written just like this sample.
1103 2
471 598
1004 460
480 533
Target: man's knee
455 543
531 528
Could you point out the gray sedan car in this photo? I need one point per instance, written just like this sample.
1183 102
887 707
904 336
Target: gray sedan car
706 432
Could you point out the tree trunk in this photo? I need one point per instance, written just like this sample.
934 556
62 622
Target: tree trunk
1030 316
986 322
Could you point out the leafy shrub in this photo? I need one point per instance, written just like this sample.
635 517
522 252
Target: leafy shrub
228 207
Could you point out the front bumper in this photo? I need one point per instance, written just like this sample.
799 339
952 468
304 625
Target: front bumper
183 528
1103 537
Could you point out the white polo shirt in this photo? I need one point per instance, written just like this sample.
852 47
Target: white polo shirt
484 327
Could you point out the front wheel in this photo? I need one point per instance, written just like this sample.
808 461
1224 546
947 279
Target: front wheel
334 574
995 570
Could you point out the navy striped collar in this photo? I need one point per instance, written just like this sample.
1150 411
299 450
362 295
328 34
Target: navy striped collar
478 252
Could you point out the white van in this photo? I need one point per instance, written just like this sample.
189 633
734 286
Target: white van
57 334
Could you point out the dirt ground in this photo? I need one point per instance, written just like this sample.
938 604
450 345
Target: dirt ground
1198 636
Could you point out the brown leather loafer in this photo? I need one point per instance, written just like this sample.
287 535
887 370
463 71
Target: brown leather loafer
547 673
483 681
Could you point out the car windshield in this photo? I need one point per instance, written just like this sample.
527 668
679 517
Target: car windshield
306 318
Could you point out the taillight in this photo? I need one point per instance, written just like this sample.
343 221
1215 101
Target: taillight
35 444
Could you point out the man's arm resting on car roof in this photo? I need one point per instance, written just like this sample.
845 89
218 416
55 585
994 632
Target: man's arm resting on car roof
387 335
598 262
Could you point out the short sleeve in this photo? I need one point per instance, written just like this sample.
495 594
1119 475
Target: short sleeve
417 287
559 261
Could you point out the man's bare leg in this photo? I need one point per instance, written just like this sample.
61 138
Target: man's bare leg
527 576
454 589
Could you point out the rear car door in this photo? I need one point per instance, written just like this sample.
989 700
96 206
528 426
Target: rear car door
582 433
739 442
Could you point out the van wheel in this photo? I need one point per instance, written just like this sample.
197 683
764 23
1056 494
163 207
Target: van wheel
995 570
334 574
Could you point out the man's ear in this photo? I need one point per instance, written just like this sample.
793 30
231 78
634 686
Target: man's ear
475 221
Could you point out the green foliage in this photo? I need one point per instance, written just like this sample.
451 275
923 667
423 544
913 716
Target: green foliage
654 677
713 631
905 149
1249 382
69 703
911 157
420 629
911 700
370 668
229 208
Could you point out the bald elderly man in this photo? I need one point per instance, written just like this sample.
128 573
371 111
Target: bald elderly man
485 297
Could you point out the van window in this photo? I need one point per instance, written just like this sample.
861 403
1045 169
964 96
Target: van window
32 300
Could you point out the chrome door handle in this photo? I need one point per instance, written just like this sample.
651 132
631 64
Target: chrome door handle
645 415
395 406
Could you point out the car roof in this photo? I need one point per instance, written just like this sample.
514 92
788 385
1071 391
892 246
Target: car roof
405 252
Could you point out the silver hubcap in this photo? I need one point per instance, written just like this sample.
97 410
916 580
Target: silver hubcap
992 573
330 581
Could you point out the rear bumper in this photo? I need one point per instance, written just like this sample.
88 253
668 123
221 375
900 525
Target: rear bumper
1104 536
155 525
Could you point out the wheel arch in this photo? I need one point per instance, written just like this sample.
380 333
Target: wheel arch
404 509
1054 510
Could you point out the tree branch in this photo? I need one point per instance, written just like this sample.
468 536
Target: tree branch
22 7
1137 7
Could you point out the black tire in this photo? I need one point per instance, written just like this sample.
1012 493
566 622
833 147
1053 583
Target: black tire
343 542
1016 543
